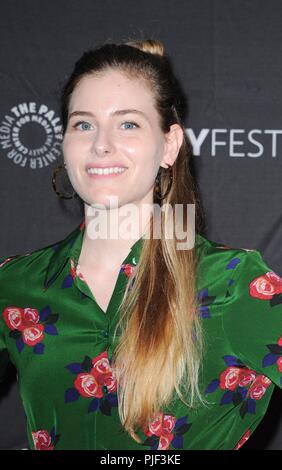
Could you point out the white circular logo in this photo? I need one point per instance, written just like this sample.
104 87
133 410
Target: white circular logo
31 135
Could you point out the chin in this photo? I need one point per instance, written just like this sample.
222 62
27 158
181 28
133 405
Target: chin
105 202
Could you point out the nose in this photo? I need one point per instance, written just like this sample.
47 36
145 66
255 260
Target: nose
102 143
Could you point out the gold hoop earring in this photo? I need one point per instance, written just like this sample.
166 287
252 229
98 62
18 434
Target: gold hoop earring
158 191
62 195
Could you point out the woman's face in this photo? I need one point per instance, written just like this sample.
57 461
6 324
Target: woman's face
113 125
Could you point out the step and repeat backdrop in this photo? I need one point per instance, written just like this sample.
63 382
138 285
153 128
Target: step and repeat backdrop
227 55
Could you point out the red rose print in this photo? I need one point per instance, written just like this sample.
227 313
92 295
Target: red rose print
259 386
264 287
128 269
155 427
42 440
88 386
31 315
229 379
264 380
275 280
280 341
246 377
168 424
165 441
110 382
13 317
73 269
79 273
101 364
243 439
279 363
33 334
27 321
103 372
91 383
20 318
162 426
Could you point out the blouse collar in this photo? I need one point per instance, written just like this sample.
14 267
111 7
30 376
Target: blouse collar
70 248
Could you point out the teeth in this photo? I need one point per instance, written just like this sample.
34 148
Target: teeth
106 171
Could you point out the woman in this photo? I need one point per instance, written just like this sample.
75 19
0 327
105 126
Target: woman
130 342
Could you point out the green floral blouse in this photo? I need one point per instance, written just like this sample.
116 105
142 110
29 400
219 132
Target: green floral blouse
61 343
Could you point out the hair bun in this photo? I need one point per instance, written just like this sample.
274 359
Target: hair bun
150 46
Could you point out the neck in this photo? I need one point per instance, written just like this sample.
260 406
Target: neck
110 233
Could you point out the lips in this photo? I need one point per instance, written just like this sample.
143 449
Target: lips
106 174
109 165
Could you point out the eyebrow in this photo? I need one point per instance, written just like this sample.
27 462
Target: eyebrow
118 112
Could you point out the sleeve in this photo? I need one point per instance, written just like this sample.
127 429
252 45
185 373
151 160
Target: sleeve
4 354
253 318
4 359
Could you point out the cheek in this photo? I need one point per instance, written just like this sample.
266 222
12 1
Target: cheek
72 149
131 148
139 150
145 158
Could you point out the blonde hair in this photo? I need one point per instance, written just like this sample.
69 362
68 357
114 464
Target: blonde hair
159 341
160 347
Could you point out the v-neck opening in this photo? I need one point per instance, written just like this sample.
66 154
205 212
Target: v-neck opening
82 283
131 259
122 277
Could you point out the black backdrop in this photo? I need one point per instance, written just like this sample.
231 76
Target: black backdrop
227 53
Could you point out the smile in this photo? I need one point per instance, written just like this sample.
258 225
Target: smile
106 171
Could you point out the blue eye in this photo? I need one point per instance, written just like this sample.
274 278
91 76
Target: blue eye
85 126
129 125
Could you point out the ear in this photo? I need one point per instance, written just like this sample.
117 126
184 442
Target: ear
174 139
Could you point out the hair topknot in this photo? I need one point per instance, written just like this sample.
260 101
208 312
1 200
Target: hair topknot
150 46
